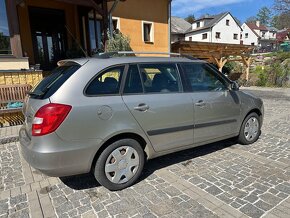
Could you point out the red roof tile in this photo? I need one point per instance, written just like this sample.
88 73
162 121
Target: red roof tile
254 26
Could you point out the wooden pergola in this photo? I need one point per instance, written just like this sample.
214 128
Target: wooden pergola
217 53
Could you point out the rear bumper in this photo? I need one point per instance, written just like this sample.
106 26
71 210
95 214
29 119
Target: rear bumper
55 157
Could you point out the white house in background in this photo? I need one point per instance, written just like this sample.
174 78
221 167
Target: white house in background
259 35
221 28
249 36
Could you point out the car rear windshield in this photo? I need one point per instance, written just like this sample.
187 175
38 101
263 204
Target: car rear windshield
50 84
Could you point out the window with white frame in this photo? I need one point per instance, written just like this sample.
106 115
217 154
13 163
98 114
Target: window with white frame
235 36
246 35
147 31
116 23
204 36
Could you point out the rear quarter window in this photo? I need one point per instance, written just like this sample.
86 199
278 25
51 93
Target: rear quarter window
50 84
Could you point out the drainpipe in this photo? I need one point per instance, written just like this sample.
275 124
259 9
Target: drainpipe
110 17
169 26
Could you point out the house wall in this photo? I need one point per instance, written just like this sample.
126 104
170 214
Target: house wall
24 23
226 32
197 36
132 13
252 38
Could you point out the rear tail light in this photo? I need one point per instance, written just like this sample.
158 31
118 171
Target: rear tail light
48 118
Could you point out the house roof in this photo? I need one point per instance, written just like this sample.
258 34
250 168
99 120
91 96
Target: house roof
253 26
211 21
179 25
282 35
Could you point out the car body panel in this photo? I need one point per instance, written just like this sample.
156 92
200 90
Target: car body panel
166 127
220 115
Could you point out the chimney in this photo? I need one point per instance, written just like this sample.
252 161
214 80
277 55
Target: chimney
257 23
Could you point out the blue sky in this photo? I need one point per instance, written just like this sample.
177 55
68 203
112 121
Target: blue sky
242 9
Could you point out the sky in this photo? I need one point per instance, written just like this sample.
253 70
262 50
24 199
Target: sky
242 9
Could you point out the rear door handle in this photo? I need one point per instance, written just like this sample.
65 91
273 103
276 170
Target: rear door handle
200 103
141 107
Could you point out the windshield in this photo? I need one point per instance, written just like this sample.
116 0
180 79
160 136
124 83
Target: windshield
49 85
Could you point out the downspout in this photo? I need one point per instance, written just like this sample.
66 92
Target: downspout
169 26
110 17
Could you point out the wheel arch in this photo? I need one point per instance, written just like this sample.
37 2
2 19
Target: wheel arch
117 137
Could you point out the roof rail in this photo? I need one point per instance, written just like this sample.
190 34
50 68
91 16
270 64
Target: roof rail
115 53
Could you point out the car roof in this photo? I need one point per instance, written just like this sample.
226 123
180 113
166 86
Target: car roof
126 60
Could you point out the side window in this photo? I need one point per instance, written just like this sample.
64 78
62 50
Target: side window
202 78
133 81
107 83
160 78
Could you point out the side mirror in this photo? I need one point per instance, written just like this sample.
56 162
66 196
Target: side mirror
235 86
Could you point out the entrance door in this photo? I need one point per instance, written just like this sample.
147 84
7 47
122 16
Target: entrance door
48 36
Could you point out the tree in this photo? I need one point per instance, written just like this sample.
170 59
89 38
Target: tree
264 15
282 6
251 19
281 21
190 18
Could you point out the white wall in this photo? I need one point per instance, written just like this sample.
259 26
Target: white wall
226 32
252 38
197 36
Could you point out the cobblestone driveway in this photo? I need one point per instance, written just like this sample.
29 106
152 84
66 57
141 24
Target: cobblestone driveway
217 180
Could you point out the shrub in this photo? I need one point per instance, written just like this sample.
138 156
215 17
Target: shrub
118 42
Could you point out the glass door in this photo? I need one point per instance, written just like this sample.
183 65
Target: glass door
48 36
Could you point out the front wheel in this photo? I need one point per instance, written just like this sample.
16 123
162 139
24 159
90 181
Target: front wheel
250 129
120 164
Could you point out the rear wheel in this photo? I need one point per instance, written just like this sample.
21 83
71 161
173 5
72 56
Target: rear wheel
120 164
250 129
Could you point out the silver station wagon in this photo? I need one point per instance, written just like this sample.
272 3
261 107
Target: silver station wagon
108 115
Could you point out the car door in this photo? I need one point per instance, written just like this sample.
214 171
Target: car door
216 108
153 94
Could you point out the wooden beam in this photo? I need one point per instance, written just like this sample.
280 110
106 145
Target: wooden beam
97 7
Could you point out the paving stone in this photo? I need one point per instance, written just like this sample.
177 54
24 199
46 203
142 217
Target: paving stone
214 190
263 205
251 211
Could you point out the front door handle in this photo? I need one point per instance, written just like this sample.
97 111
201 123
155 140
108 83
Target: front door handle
200 103
141 107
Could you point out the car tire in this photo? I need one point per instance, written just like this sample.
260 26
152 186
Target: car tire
250 129
120 164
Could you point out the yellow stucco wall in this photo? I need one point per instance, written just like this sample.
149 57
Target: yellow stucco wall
132 13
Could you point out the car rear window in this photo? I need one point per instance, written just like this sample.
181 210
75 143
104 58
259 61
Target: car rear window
50 84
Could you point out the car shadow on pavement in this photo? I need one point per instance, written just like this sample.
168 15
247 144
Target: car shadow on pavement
87 181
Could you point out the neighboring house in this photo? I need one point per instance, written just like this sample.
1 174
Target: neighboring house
179 27
283 36
47 31
259 35
221 28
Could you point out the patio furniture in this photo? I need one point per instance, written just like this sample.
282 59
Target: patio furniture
12 97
